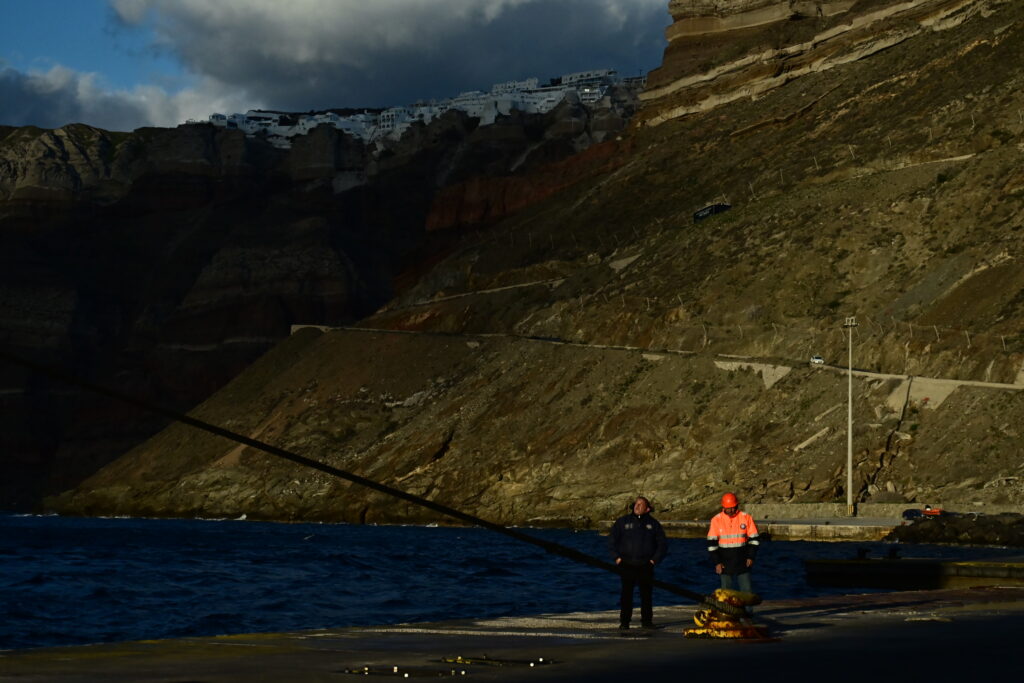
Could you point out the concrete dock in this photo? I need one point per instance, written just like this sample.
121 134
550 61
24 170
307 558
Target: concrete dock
919 635
826 521
832 529
804 522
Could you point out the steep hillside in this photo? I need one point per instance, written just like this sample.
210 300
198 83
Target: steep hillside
602 342
164 261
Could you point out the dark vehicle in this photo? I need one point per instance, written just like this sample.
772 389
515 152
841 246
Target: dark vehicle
711 210
928 512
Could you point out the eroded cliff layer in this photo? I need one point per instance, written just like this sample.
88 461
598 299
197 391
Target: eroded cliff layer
720 51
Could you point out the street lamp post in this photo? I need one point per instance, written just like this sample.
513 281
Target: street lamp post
851 322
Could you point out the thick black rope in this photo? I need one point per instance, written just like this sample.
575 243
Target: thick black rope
553 548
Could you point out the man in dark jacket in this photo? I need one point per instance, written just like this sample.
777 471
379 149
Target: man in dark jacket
637 542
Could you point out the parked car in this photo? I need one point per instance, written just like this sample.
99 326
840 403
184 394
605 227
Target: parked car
817 360
711 210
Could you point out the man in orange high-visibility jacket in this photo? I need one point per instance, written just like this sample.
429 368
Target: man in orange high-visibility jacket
733 543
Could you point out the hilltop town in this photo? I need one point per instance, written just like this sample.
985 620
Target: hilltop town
527 96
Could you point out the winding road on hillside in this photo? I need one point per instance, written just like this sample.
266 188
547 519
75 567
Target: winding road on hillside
928 392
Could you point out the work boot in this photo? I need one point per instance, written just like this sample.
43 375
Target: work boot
624 627
649 625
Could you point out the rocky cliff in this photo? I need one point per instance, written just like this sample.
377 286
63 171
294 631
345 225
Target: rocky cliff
725 50
164 261
604 342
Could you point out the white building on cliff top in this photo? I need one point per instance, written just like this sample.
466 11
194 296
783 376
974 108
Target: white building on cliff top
526 96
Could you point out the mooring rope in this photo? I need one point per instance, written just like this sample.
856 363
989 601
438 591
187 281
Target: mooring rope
549 546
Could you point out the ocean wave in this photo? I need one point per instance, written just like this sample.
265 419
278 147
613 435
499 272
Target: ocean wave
74 580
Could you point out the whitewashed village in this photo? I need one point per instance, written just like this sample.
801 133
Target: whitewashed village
527 96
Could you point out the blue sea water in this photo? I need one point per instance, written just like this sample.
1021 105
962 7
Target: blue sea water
67 581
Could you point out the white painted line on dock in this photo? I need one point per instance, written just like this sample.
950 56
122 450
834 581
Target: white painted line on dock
518 634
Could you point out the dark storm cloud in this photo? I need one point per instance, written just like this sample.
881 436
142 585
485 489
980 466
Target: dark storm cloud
313 54
60 96
307 54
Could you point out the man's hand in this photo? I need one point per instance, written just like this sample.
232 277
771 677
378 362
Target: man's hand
652 562
719 568
618 560
750 563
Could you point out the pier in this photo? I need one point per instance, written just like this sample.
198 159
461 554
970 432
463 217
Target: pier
832 529
825 521
917 635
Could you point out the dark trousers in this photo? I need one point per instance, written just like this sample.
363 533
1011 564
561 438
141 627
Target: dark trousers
742 581
633 576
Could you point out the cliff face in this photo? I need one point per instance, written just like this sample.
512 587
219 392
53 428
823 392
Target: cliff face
727 50
164 261
603 342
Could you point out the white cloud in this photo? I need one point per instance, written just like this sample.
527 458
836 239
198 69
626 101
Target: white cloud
319 53
61 95
315 54
130 11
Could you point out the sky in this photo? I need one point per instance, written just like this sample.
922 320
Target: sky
122 64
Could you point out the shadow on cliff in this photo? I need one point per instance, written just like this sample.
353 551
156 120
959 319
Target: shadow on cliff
164 261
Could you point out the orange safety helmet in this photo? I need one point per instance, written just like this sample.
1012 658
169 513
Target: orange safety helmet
729 501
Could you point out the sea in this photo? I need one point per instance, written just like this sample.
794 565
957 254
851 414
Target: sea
70 581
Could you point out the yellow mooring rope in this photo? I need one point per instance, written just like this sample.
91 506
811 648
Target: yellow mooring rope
714 623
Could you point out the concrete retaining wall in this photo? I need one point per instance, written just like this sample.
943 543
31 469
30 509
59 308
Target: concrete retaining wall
796 511
879 510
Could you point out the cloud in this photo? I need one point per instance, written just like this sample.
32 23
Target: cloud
304 54
314 54
61 95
